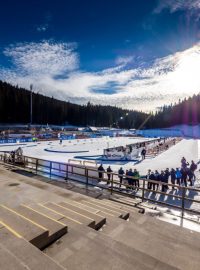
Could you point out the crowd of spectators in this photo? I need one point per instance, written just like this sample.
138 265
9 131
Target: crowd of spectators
158 180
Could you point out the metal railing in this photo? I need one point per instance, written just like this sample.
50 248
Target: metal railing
177 197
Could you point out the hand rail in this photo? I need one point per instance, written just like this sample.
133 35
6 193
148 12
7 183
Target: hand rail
69 170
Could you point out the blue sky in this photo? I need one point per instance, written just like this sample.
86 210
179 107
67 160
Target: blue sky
136 54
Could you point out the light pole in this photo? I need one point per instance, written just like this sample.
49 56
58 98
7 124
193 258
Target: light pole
31 103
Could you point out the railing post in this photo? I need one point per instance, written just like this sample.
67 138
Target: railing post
183 202
143 187
36 166
24 159
86 174
50 168
111 191
66 176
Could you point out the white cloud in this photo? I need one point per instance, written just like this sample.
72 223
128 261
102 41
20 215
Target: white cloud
42 27
124 60
53 68
175 5
43 58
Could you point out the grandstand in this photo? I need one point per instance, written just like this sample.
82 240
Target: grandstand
56 225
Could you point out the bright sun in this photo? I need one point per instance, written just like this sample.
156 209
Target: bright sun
186 74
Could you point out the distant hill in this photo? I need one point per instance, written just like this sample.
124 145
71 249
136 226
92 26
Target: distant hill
15 108
186 112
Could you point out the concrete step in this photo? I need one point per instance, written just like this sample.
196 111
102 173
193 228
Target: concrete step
118 204
18 254
33 232
56 229
73 215
126 201
133 210
105 209
124 213
99 220
55 215
93 209
159 240
83 248
9 261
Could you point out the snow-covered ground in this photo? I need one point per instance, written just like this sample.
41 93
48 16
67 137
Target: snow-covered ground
190 149
52 150
171 158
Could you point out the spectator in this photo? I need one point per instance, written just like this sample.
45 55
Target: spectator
101 171
184 173
162 179
190 176
136 179
184 164
166 177
178 176
173 177
127 176
147 177
131 181
151 177
193 168
143 153
109 171
120 175
157 178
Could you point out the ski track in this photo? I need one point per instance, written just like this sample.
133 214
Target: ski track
190 149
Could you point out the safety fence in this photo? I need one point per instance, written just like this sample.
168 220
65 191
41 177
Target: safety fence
16 140
185 199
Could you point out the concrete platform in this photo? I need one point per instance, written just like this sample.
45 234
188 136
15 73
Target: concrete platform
18 254
73 215
99 220
158 239
55 228
97 204
141 243
29 230
85 249
114 207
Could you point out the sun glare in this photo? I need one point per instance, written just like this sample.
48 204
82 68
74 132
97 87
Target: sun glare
186 73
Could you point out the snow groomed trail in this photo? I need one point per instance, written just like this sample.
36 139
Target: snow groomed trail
171 158
190 149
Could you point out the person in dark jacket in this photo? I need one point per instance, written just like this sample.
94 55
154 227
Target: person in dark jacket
167 175
143 153
190 176
184 173
120 175
101 171
193 167
184 163
131 181
151 177
173 177
163 179
136 179
109 171
147 177
156 178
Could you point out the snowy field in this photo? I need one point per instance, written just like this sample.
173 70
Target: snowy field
189 148
75 149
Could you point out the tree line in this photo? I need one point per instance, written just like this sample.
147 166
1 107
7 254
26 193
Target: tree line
15 108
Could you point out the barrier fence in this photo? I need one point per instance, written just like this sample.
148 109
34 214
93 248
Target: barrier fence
178 197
